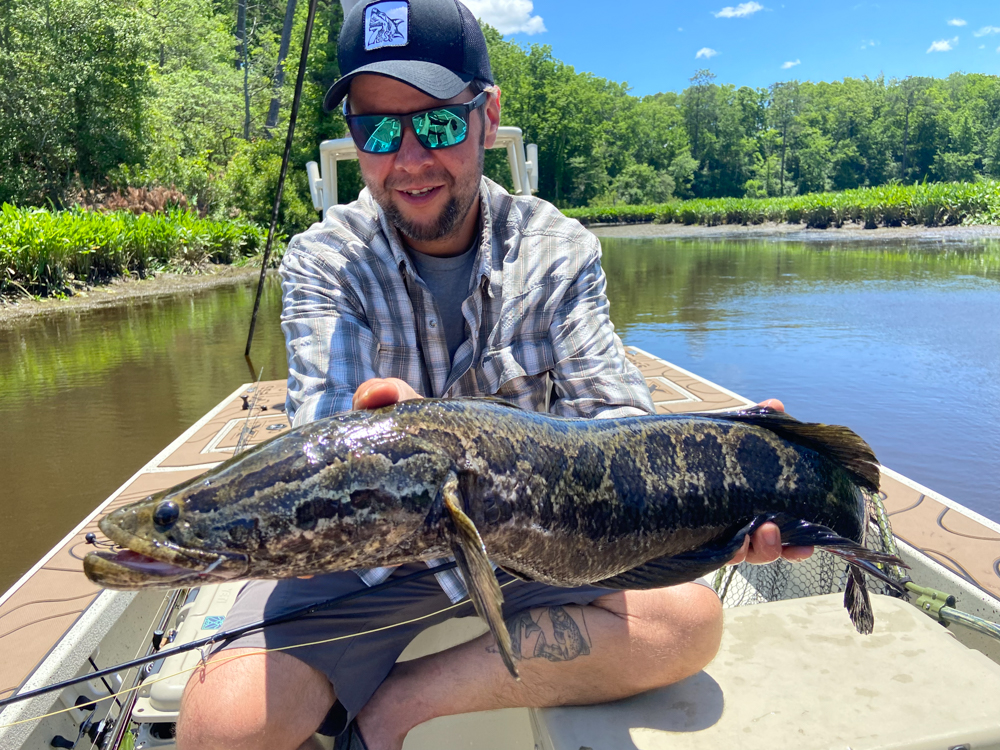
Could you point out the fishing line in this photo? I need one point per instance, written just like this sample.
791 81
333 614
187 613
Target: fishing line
224 635
222 660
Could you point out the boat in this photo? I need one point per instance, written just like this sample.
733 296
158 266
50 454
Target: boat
791 671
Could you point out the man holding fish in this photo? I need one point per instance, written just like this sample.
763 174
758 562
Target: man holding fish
436 282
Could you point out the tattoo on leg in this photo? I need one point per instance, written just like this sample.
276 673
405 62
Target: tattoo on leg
553 633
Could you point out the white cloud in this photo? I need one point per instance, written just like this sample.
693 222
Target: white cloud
508 16
790 64
740 11
943 45
957 22
866 43
705 52
987 30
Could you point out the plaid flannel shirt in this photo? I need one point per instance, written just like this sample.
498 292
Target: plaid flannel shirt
538 332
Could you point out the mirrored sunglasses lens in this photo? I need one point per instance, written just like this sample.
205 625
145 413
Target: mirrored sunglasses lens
376 135
440 128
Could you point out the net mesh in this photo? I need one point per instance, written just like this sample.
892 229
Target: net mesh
822 573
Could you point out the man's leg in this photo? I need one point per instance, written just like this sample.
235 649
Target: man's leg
622 644
261 700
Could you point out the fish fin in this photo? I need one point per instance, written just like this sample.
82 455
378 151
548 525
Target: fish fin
799 533
858 603
840 443
470 554
516 574
676 569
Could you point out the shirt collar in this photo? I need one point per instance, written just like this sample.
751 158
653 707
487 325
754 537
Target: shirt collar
484 258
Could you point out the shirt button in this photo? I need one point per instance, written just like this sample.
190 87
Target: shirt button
433 324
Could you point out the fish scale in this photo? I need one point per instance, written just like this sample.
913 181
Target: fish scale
635 502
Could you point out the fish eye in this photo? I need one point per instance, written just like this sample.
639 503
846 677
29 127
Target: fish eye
166 514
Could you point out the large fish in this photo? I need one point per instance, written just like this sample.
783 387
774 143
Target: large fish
632 503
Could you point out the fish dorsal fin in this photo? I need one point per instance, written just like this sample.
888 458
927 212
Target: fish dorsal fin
835 441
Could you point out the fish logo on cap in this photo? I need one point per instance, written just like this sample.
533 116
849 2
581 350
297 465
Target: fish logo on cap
387 24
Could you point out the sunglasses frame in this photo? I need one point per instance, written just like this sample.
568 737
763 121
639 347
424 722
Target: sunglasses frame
464 110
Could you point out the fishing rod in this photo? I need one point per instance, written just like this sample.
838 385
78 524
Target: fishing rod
307 38
227 635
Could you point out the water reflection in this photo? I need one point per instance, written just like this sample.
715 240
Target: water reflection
87 399
902 344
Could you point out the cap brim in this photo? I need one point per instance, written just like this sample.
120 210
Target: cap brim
434 80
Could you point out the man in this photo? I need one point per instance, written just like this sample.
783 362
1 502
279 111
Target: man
436 282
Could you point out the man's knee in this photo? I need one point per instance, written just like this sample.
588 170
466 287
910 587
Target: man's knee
246 698
679 626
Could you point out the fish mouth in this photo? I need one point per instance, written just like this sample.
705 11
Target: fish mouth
153 563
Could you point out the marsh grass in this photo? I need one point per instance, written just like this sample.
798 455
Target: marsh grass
45 253
936 204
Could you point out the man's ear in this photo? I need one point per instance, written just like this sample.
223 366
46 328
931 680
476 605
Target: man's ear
491 116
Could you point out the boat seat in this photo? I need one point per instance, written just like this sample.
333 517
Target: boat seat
795 674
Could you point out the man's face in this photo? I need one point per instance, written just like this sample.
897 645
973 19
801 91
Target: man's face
427 195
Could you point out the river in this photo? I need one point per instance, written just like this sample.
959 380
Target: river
900 342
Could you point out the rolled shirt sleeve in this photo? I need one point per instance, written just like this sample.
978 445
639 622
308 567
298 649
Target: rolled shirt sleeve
592 377
331 348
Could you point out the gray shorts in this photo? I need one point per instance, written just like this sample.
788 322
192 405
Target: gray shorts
357 666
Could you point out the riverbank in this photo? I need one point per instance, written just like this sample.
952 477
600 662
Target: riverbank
125 290
801 233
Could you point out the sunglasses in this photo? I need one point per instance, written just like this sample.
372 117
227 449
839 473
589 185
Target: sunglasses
435 128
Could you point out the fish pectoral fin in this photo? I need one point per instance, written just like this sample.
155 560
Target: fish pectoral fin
677 569
470 554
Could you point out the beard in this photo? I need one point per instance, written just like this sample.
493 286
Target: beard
464 193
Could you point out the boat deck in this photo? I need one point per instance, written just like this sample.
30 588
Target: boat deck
48 599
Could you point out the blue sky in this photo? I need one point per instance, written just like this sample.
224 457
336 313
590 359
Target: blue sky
654 46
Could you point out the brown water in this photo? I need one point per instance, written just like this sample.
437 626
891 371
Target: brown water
87 399
900 343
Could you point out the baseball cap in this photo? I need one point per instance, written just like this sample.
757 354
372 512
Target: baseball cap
435 46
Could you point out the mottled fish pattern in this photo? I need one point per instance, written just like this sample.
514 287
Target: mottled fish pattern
637 502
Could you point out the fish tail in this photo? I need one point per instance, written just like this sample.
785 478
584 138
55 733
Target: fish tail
858 603
859 558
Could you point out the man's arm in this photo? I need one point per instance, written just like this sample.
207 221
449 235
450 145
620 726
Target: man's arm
592 376
331 349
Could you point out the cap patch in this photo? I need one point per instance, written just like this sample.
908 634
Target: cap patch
387 24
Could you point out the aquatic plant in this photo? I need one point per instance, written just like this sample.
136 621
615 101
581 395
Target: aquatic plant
46 252
935 204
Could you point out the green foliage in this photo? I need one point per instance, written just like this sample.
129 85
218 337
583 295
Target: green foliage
74 84
43 252
159 93
933 204
640 183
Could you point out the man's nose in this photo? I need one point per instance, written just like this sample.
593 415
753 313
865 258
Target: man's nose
412 156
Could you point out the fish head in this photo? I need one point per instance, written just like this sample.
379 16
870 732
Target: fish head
346 492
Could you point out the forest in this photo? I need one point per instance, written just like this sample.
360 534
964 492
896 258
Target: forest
193 96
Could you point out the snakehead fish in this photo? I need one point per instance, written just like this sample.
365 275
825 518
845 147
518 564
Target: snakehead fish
631 503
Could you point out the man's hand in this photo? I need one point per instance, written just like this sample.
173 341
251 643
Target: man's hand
764 545
378 392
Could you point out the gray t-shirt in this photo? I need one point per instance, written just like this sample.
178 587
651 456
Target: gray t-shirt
448 280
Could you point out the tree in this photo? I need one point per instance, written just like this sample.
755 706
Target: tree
782 110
